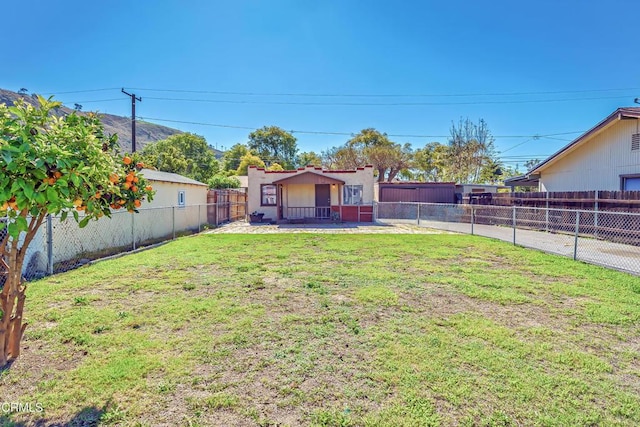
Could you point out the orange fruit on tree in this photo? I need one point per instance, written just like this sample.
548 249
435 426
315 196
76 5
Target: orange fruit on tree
135 179
77 202
52 181
140 165
126 185
122 202
137 203
134 189
148 188
98 195
114 178
126 160
57 174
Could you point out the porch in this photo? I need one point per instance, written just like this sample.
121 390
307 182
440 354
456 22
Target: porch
309 197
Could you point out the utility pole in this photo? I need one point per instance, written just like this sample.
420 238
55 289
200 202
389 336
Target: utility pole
133 118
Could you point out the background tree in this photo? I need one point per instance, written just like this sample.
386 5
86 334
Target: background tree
430 162
223 181
309 158
372 147
249 160
184 153
23 91
530 164
274 145
77 107
275 167
470 148
231 158
53 165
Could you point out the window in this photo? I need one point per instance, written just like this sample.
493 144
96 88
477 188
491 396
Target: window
181 199
352 194
630 183
268 195
635 142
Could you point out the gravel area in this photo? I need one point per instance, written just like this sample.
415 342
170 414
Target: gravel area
241 227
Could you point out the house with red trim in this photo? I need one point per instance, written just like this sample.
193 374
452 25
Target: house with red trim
312 194
606 157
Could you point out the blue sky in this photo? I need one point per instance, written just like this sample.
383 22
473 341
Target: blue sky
580 54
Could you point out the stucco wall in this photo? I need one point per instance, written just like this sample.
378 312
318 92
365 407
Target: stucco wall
597 164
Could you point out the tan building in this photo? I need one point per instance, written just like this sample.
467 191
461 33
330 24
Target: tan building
312 193
175 190
607 157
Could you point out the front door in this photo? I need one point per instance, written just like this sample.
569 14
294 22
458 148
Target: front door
323 201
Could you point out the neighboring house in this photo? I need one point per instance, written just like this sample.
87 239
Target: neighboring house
312 193
421 192
174 190
607 157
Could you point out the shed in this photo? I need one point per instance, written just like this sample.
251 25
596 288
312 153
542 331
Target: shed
416 192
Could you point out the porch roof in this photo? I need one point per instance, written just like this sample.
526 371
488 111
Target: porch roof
308 178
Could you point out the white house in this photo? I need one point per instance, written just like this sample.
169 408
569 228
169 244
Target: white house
312 193
607 157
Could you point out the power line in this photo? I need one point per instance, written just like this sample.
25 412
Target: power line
341 133
381 104
81 91
92 100
352 95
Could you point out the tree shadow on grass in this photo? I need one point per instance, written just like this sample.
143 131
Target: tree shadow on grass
87 417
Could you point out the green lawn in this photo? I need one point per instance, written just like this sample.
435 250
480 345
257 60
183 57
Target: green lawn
332 330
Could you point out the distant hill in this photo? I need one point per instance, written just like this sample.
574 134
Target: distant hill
145 132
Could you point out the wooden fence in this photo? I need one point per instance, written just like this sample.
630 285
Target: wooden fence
226 205
627 201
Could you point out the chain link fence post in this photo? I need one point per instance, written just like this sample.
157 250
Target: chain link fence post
473 217
546 215
199 220
575 239
514 225
49 245
173 221
595 215
133 231
418 215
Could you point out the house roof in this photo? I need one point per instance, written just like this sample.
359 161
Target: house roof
625 113
156 175
523 181
308 178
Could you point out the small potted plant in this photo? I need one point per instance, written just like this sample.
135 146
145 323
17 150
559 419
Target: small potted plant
256 216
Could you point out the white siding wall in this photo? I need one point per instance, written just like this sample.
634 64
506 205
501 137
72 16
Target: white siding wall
597 164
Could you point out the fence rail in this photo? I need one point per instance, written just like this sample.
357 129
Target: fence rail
608 238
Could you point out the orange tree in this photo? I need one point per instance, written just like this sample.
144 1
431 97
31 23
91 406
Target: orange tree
60 165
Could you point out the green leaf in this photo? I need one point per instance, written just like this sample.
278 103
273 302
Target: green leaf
13 230
2 225
76 216
64 215
52 196
84 222
22 224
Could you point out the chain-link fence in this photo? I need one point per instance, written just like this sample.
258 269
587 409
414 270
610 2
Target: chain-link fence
607 238
61 245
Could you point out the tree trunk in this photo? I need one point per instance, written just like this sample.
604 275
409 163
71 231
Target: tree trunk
12 301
